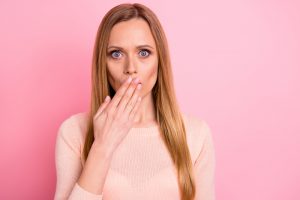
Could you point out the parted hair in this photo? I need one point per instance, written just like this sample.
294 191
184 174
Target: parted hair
168 113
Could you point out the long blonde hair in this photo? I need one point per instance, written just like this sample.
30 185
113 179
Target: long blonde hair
168 113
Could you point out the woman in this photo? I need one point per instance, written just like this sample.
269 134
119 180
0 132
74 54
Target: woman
134 143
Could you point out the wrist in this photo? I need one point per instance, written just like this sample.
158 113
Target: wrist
102 150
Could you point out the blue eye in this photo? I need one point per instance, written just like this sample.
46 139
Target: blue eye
145 54
116 52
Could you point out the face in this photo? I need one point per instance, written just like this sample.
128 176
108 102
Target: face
132 52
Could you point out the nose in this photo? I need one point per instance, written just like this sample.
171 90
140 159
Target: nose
130 67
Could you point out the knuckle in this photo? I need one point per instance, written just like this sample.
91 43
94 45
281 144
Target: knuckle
136 105
117 116
124 116
110 114
119 120
130 104
104 113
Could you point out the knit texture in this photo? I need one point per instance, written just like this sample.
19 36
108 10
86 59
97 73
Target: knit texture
141 167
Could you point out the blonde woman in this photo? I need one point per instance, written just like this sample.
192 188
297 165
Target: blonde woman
134 143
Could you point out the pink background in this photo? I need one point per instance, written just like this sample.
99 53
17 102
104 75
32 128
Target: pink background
236 65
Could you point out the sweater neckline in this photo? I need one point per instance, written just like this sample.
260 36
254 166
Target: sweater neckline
148 130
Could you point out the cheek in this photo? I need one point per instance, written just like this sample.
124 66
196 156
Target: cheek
112 77
153 72
152 76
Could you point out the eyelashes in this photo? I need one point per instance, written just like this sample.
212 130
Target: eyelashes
113 54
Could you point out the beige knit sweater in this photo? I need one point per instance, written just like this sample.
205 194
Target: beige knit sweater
141 167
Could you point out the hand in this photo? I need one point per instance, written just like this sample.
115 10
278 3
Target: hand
114 117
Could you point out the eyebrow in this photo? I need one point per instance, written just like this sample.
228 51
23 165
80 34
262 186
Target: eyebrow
139 46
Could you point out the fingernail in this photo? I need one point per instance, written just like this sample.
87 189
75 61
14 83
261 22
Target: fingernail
139 86
136 80
129 79
106 98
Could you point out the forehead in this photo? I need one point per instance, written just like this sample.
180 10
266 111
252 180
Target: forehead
132 32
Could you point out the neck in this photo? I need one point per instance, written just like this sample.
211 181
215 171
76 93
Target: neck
145 115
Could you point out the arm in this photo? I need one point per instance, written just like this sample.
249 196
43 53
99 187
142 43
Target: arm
69 168
95 171
205 167
112 123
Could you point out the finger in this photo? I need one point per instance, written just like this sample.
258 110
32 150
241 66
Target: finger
102 106
132 101
127 96
119 94
135 108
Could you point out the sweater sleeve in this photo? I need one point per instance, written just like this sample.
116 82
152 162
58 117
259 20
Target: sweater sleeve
68 164
205 166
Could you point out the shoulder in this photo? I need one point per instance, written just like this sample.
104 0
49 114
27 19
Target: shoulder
197 127
197 132
72 130
76 121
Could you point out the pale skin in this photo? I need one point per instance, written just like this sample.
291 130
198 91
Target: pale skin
132 105
134 62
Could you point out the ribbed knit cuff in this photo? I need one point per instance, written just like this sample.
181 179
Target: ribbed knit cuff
78 193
